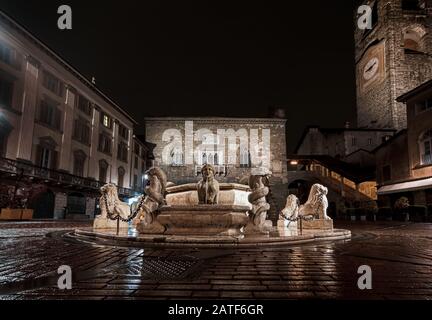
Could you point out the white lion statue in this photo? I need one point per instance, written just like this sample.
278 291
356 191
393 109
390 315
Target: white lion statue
291 210
317 203
110 203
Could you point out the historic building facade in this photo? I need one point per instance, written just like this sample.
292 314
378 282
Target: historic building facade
391 58
404 164
352 145
234 146
57 129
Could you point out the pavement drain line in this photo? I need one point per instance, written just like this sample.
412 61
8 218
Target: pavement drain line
148 267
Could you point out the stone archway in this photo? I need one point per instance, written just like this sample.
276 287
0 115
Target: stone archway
300 188
76 204
43 205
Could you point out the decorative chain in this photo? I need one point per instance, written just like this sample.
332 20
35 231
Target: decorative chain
132 215
305 218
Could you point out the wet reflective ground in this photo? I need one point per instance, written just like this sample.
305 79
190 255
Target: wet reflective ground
400 255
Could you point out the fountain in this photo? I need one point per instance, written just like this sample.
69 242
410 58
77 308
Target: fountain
209 214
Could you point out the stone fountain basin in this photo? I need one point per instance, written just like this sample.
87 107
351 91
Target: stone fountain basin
184 216
204 220
229 194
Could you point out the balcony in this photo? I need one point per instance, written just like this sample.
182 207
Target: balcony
21 171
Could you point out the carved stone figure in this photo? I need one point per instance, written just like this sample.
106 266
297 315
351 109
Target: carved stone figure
289 215
153 199
208 186
258 182
111 207
317 203
291 210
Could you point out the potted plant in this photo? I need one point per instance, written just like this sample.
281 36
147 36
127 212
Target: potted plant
402 208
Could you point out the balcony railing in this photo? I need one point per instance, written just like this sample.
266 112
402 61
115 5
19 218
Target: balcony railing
18 169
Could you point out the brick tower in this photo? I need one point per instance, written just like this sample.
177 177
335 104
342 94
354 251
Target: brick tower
391 58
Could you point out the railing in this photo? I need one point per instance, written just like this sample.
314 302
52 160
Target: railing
18 168
320 170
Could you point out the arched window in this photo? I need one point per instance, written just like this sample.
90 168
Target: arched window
204 158
121 174
210 159
244 158
425 142
79 163
216 159
103 171
413 39
176 157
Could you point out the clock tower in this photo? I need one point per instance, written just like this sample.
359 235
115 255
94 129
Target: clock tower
391 58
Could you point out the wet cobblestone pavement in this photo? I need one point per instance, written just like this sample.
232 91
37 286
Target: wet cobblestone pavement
400 255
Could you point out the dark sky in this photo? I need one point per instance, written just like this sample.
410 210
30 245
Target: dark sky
209 58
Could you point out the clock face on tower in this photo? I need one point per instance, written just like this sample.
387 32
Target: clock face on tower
371 69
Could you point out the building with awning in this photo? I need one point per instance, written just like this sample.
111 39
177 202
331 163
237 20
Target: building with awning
404 162
406 186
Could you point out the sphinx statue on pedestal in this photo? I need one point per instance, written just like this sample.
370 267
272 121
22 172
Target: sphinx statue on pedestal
313 212
208 186
111 207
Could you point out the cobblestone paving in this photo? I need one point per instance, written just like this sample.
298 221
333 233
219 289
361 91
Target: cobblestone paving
400 256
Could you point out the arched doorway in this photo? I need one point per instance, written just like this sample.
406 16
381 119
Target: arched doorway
43 205
76 204
300 188
5 129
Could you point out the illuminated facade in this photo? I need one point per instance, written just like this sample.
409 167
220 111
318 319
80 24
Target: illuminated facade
57 129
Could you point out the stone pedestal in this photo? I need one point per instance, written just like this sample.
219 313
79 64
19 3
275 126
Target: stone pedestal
262 229
105 223
153 228
318 224
204 220
287 228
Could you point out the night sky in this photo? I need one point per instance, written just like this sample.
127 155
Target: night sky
209 59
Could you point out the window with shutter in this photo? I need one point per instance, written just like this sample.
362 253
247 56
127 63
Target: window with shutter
52 83
5 53
57 119
103 170
6 93
50 115
84 105
53 160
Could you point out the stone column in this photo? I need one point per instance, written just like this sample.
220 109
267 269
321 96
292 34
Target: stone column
342 187
68 125
90 207
25 141
59 205
114 169
93 166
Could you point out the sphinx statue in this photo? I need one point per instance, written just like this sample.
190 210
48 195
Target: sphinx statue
258 182
313 212
317 203
289 215
111 208
208 186
151 201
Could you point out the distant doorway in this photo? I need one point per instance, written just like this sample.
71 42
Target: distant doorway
76 204
43 206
